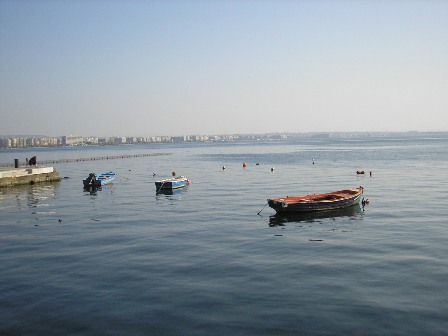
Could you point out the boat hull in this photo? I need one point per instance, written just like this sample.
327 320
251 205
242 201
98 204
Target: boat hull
321 202
172 183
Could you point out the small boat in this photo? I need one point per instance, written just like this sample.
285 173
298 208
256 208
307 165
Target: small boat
317 202
172 183
98 180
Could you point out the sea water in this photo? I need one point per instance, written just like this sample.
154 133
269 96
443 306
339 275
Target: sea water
205 261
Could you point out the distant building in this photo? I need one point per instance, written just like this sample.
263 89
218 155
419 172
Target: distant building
131 140
30 142
119 140
200 138
178 139
5 143
72 140
106 141
142 140
92 141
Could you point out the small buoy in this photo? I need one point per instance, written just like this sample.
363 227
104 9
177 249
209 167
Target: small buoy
173 173
244 165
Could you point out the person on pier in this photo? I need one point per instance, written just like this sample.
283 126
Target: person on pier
33 161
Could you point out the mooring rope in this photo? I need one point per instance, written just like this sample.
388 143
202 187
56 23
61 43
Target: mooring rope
262 209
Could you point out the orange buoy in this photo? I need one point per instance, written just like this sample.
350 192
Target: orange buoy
244 165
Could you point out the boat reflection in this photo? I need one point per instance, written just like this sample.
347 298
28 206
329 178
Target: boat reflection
354 211
92 190
171 191
172 195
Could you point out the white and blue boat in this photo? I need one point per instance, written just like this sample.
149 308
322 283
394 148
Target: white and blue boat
172 183
98 180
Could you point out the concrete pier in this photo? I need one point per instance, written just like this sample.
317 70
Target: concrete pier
17 176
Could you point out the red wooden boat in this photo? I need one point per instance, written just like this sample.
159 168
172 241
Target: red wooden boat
317 202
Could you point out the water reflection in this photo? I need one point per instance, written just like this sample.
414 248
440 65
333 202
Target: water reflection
92 190
356 212
30 196
171 193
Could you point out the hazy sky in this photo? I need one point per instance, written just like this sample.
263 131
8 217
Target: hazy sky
222 66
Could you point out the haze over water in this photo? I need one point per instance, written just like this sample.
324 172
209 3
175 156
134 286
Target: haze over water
126 260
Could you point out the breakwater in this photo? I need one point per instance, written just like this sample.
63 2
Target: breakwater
109 157
19 176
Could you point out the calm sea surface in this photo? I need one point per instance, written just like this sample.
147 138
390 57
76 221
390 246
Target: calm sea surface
125 261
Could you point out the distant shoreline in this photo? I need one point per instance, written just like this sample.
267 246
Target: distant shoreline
11 142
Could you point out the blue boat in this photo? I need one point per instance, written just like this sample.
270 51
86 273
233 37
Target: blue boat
172 183
98 180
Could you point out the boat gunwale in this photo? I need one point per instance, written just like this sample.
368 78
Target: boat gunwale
173 179
344 194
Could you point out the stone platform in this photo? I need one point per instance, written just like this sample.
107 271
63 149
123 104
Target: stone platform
10 177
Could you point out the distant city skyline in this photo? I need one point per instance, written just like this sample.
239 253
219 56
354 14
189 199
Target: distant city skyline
79 140
222 67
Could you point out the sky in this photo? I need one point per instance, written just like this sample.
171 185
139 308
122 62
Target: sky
147 68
